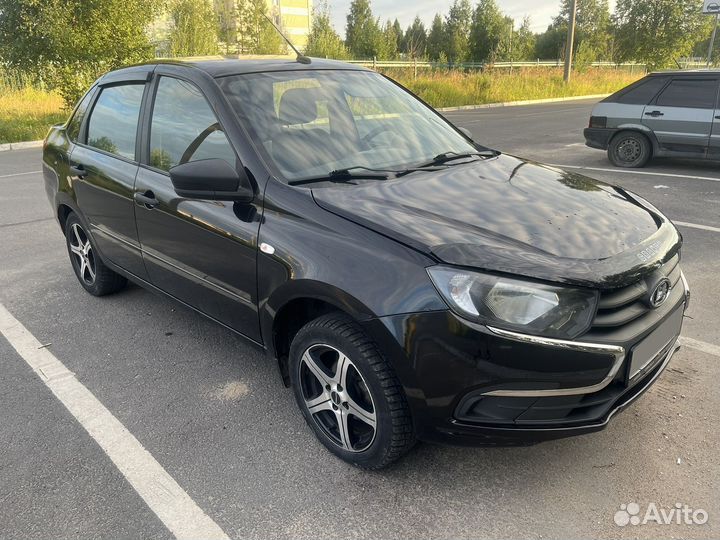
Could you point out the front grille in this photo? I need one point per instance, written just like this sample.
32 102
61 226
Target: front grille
619 307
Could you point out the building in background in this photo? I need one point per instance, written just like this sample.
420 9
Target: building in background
295 19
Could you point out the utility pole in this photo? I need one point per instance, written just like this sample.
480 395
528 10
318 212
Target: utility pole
712 40
570 40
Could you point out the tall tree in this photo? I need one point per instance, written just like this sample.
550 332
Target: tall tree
436 43
488 28
323 40
226 12
592 27
657 32
400 36
388 48
68 43
363 36
255 34
457 27
415 39
523 47
194 30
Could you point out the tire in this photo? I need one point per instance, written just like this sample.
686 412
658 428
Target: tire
629 149
93 275
363 390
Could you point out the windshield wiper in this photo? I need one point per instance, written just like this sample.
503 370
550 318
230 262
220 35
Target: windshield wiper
344 175
446 157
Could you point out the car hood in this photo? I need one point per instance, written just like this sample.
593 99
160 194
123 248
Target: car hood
509 215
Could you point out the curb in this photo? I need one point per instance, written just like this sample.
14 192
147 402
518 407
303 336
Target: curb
20 145
518 103
35 144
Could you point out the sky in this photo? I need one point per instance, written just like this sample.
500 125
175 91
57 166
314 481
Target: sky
541 12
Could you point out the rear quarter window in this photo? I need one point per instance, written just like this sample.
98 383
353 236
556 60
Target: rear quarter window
73 127
640 93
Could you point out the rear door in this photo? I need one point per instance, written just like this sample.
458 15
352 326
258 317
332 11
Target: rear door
681 116
104 166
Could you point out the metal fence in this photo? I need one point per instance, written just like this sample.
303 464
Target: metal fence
414 64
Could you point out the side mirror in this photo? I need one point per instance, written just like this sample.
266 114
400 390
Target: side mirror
212 179
466 132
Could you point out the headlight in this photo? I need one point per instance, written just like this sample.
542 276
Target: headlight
513 304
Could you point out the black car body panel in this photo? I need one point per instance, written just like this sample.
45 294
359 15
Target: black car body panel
466 216
258 267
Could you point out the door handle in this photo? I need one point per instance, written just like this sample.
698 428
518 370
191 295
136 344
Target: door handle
717 117
78 170
147 199
654 113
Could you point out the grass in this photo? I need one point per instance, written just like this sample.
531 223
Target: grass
26 110
443 88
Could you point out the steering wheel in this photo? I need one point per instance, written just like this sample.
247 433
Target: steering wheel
375 132
190 150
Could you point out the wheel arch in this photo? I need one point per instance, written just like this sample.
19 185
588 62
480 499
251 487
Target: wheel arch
297 303
642 130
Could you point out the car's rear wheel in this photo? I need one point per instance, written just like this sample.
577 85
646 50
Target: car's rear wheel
629 149
93 275
349 394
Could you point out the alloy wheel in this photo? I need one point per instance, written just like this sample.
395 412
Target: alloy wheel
337 397
82 251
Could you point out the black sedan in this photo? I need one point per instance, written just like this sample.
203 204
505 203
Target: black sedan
410 282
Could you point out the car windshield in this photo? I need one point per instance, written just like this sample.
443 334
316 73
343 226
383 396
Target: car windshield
312 123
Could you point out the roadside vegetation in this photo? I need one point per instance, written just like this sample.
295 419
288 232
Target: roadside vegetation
27 110
448 88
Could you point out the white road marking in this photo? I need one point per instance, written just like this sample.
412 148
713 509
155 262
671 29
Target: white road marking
701 346
646 173
19 174
159 490
696 226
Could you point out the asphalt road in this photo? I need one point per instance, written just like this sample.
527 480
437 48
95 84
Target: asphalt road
214 414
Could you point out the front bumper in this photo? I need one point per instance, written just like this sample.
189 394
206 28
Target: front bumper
598 137
469 384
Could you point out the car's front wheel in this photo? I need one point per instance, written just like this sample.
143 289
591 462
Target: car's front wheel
93 275
348 393
629 149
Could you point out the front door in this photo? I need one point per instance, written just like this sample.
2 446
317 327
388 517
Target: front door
682 115
104 169
200 251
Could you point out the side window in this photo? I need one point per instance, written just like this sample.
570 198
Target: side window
643 92
692 93
184 128
73 128
114 119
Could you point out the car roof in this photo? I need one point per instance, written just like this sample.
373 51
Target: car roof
225 67
686 72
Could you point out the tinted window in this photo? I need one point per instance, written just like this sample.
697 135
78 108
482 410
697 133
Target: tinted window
184 127
73 128
698 94
114 120
642 93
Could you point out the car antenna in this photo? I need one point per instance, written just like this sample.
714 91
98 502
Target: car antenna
301 58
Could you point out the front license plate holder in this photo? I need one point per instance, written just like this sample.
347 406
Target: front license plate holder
646 352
